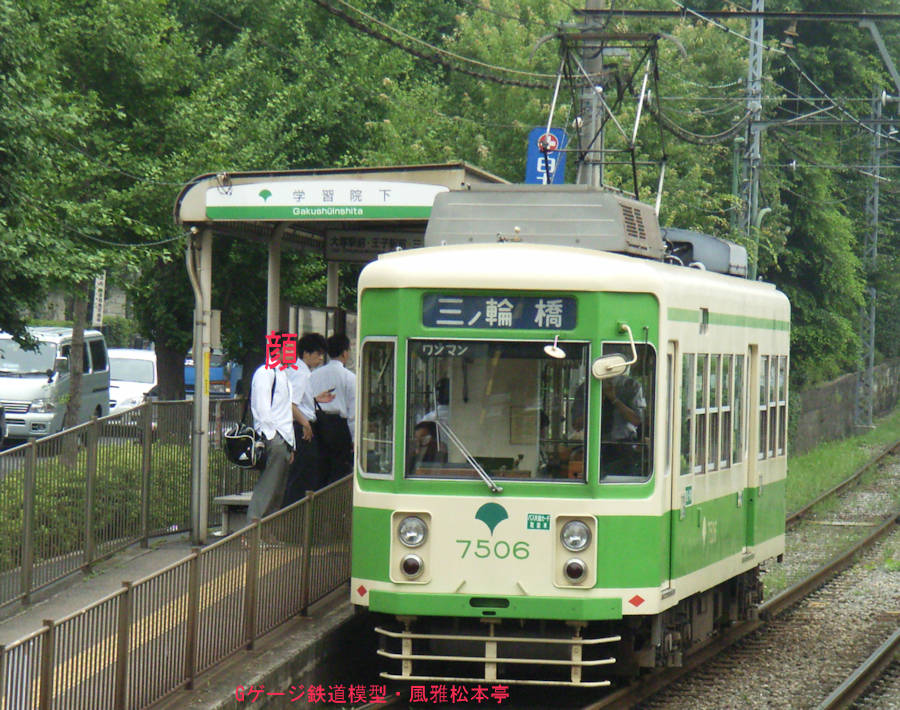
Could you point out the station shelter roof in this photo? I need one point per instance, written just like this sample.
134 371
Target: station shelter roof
347 214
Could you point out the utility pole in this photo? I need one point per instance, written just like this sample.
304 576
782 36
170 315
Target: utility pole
865 385
865 376
590 170
752 155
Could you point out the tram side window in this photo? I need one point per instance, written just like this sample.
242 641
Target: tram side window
773 404
626 417
376 447
737 441
782 404
764 411
687 411
715 385
700 409
725 412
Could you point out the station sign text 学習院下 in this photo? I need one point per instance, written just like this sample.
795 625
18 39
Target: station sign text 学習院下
499 312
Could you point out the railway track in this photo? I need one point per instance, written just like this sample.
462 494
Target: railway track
795 606
800 604
876 667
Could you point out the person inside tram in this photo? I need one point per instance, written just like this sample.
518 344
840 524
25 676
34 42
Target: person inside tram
567 460
621 424
425 447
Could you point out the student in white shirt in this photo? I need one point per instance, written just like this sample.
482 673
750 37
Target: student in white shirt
304 474
334 420
273 415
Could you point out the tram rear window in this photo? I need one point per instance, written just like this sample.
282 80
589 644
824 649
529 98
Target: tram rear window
507 407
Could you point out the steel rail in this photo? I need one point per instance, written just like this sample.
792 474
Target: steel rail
888 450
654 682
790 596
861 678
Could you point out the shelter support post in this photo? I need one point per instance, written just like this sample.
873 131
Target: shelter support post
201 279
273 284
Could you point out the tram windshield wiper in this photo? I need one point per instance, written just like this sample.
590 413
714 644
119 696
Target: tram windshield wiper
455 440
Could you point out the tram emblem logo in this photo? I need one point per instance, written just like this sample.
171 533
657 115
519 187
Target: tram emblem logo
491 514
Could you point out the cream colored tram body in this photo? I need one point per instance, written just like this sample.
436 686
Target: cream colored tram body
571 450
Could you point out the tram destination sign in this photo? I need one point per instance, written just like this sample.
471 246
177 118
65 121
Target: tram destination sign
499 312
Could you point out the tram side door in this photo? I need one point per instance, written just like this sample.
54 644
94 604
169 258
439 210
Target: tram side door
672 448
751 446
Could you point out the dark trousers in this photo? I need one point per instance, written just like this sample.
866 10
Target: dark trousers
335 447
304 474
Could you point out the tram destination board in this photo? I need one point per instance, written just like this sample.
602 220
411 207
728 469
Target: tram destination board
499 312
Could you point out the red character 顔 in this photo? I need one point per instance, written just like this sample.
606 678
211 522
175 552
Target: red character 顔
273 350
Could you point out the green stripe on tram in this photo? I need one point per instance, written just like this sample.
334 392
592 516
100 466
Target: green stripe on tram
692 315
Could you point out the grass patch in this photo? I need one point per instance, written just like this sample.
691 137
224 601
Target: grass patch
830 463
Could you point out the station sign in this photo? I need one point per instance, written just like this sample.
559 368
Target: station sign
322 200
499 312
365 245
546 161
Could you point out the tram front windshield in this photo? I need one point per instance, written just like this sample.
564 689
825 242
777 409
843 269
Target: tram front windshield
506 407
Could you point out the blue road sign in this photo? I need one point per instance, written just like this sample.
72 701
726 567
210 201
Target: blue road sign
546 159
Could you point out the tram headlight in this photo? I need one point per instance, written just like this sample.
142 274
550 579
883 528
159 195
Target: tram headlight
575 570
575 536
412 566
412 531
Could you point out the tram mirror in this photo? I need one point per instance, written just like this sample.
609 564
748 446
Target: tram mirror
609 366
61 364
554 350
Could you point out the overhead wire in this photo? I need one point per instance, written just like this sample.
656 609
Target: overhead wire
44 206
487 8
790 60
438 53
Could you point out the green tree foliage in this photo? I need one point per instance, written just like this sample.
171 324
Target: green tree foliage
108 107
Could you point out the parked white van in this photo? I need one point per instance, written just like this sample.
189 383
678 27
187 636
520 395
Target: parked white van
132 375
34 384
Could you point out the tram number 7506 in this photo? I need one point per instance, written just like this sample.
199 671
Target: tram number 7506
501 549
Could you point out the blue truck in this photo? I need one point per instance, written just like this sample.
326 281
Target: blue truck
219 374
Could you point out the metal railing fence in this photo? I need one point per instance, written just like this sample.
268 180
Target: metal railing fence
76 497
157 634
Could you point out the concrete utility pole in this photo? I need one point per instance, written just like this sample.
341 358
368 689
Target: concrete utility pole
865 376
590 170
750 173
865 385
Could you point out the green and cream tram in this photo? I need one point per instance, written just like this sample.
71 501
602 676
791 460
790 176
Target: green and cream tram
571 452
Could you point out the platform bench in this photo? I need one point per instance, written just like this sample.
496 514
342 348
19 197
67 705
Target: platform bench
234 510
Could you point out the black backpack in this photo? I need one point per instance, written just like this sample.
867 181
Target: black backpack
244 446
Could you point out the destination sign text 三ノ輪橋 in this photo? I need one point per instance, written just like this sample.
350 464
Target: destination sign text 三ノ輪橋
499 312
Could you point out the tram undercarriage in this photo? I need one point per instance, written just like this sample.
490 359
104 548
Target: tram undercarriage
565 653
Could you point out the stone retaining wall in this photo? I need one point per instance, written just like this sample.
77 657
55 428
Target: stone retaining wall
826 412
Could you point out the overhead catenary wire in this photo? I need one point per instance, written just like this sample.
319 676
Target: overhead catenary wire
437 55
790 60
487 8
46 207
